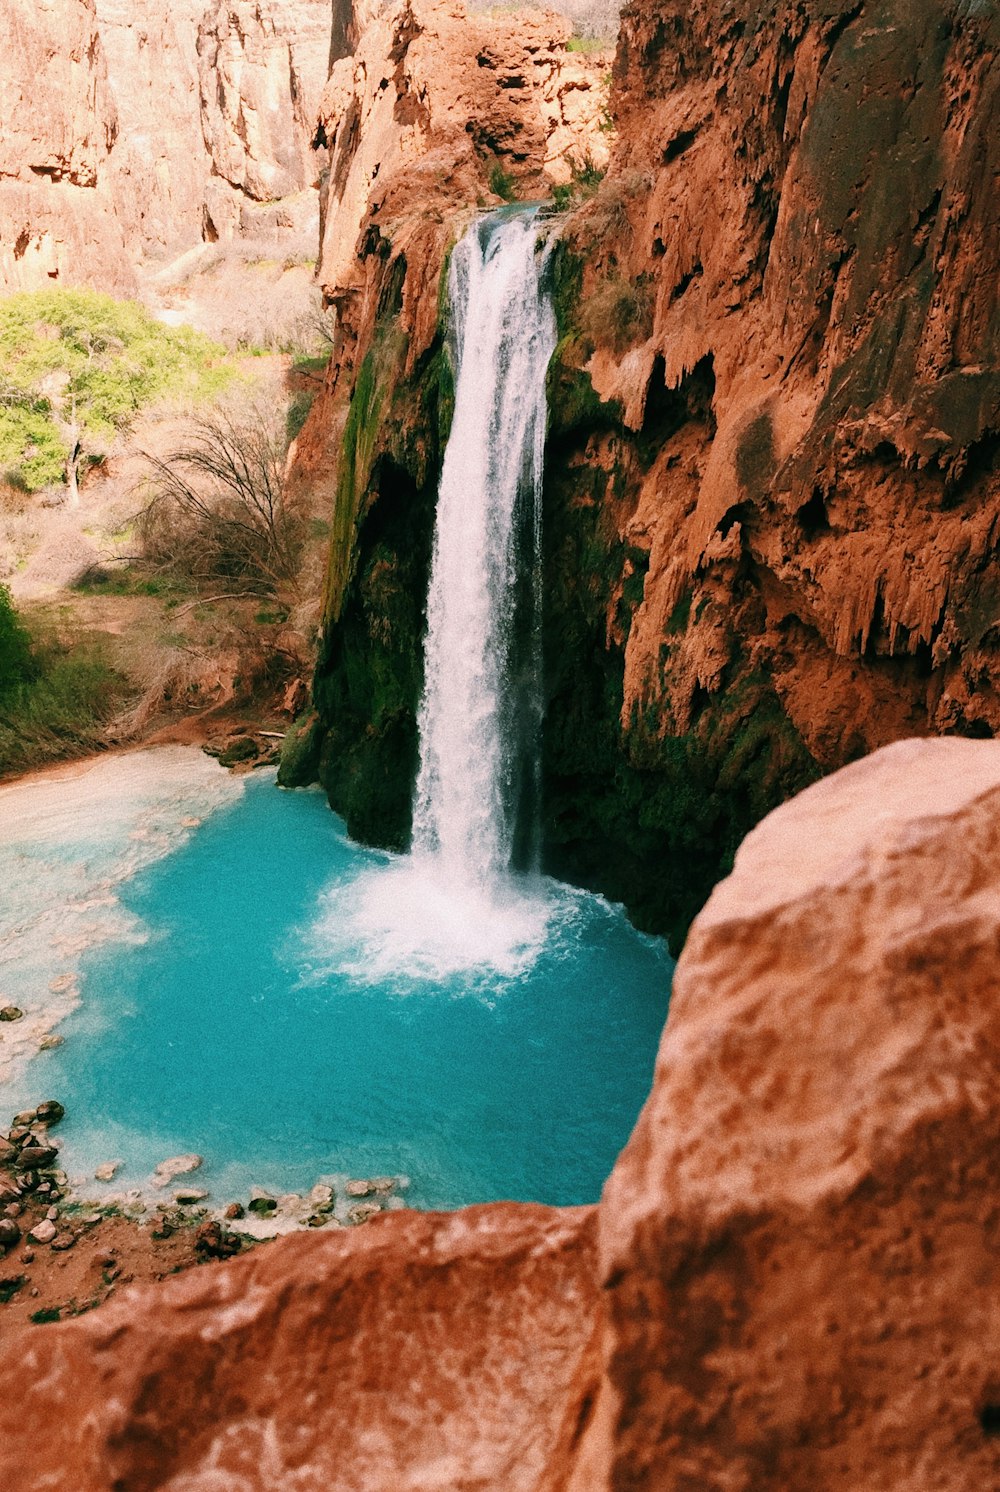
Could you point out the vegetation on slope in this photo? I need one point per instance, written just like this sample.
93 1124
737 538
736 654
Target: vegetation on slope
77 368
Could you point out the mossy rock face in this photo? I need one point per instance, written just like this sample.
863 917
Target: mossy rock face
300 751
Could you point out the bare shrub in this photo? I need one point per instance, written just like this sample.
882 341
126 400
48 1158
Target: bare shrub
217 515
619 313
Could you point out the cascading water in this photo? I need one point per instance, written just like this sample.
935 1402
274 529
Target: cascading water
467 899
481 711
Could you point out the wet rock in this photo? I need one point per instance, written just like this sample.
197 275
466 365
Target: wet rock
35 1158
362 1212
10 1013
50 1043
382 1185
106 1170
263 1206
235 1210
359 1188
19 1134
24 1120
320 1198
43 1232
213 1241
177 1165
50 1112
187 1196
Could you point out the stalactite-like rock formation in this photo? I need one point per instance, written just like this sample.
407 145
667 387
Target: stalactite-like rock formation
797 1263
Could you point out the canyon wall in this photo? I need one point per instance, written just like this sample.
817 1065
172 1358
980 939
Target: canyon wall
134 130
791 1282
771 470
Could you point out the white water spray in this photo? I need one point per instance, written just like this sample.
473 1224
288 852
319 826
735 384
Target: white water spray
454 905
480 715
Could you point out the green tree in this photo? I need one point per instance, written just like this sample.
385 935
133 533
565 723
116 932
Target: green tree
77 368
16 664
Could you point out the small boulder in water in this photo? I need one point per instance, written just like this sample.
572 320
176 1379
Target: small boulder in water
359 1188
383 1185
363 1211
235 1210
189 1195
177 1165
321 1197
49 1043
50 1112
10 1013
24 1119
106 1170
263 1205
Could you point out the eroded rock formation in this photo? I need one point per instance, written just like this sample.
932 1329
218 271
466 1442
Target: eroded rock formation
136 129
58 129
798 1254
785 297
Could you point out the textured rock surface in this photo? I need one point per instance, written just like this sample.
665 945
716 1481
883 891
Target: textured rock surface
58 129
138 128
797 1275
436 1352
800 1246
432 105
788 303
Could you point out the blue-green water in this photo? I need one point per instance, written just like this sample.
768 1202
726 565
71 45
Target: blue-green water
260 1012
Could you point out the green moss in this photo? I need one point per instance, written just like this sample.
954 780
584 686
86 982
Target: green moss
300 751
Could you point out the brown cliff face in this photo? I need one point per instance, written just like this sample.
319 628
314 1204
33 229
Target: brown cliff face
798 1262
808 200
58 129
136 129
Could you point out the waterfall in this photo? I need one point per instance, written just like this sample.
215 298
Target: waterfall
454 907
476 800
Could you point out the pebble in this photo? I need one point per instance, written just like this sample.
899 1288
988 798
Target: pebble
52 1214
64 1241
43 1232
27 1256
106 1171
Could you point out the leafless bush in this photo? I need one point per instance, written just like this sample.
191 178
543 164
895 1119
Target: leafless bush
217 515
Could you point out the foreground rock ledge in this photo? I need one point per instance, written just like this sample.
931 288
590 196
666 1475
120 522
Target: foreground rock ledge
797 1278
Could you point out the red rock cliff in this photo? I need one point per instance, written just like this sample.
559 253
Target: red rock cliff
807 200
797 1273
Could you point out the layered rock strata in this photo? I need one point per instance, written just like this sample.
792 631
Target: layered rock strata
798 1254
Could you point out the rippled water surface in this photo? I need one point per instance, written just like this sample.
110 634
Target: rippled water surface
251 985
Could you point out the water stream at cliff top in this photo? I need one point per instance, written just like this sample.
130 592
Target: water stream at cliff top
234 976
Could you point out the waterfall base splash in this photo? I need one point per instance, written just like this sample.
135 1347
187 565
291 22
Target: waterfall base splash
409 920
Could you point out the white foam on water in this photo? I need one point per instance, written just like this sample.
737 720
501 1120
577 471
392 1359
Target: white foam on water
410 921
68 842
